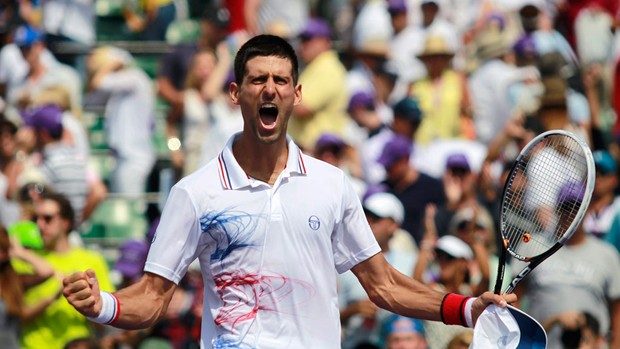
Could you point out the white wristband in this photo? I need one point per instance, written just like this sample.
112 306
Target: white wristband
467 312
110 309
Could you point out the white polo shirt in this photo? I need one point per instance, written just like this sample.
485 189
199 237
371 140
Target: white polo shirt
269 255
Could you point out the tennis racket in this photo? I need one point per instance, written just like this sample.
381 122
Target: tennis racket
545 197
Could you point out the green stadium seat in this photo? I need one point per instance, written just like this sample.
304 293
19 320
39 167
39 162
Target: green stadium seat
183 31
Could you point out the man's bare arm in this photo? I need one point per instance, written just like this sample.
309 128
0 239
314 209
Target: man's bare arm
142 304
395 292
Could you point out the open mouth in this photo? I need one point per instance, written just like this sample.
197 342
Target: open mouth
268 114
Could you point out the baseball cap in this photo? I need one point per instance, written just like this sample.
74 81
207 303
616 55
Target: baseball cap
604 162
361 99
466 214
315 27
397 6
408 108
570 192
525 46
132 258
329 140
27 233
385 205
508 327
454 246
458 161
25 36
398 324
219 16
395 149
47 117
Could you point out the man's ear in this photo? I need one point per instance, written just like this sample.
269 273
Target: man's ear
298 94
233 91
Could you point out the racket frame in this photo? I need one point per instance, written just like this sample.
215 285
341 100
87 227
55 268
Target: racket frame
533 262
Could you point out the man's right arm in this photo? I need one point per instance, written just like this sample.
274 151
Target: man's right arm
141 305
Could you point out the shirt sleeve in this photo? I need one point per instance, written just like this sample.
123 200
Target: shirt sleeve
123 80
352 240
175 244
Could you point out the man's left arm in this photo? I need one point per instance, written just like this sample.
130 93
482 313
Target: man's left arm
397 293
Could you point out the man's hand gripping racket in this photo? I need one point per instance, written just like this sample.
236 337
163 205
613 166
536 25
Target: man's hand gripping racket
545 198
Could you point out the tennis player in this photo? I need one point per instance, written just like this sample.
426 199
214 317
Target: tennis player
270 227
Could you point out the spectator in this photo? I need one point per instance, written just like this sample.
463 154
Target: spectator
460 340
585 269
413 188
434 23
579 330
460 183
41 74
74 134
360 317
59 323
452 257
406 44
226 121
204 83
13 285
11 168
399 332
129 116
258 14
62 166
336 152
151 19
323 110
489 84
553 111
605 204
372 133
68 22
174 67
443 95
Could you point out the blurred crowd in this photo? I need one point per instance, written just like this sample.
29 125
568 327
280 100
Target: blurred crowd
424 104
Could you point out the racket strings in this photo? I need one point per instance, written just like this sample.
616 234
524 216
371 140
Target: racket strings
543 196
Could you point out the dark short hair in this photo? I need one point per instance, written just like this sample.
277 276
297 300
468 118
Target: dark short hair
264 46
66 210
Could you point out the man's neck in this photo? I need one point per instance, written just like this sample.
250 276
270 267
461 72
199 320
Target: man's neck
62 246
36 72
411 176
263 162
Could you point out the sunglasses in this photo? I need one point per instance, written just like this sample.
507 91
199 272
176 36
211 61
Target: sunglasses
47 218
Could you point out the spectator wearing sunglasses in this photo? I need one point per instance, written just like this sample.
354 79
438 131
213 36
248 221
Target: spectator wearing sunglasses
59 323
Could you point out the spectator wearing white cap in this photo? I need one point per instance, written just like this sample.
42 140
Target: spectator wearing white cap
360 317
444 265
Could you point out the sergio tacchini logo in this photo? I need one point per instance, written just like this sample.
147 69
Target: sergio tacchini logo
314 223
